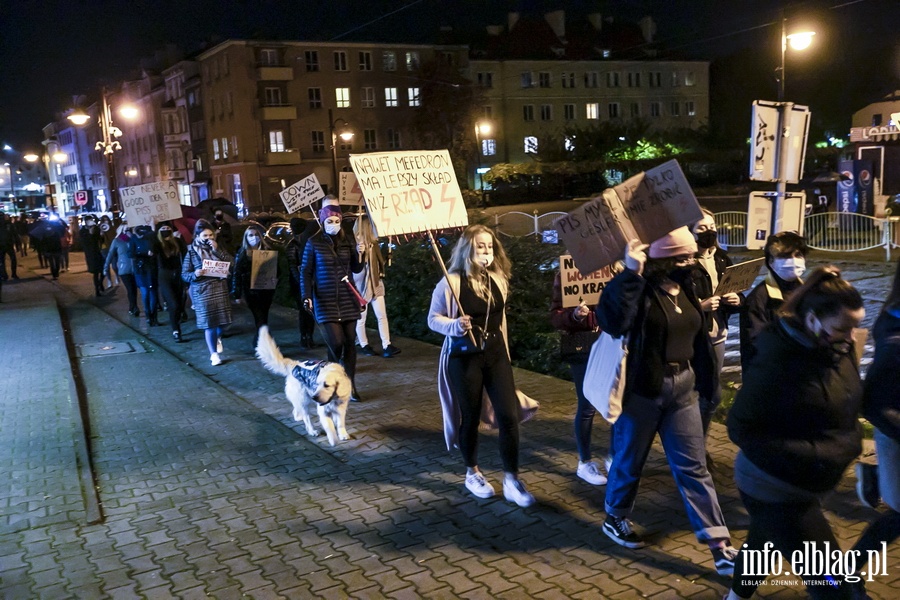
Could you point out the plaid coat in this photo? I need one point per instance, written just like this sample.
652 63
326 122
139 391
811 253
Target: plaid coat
212 304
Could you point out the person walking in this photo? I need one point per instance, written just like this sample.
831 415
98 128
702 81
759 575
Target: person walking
172 251
795 423
302 230
9 240
478 279
121 255
329 259
145 250
90 238
209 293
258 300
52 244
670 365
370 283
22 231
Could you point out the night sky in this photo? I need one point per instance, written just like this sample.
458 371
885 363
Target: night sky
54 49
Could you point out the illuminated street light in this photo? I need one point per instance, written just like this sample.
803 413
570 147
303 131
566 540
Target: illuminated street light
346 134
31 157
800 40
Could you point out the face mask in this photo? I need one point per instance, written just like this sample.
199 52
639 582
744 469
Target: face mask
789 269
707 239
486 260
332 228
166 233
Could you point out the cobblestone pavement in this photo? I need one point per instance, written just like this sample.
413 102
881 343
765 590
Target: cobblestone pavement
208 488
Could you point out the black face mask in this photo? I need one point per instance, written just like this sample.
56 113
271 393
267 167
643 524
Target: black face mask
165 233
680 274
707 239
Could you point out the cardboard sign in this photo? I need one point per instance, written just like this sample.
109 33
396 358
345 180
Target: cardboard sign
860 336
216 268
301 194
739 277
349 190
263 269
410 191
595 233
577 287
150 203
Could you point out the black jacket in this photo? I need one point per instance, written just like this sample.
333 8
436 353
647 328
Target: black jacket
759 310
294 253
326 260
703 285
881 399
622 310
795 416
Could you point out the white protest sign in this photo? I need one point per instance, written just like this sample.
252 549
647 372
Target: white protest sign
410 191
578 288
739 277
150 203
303 193
216 268
349 190
595 234
263 269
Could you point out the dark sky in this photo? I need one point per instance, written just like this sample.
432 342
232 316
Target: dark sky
54 49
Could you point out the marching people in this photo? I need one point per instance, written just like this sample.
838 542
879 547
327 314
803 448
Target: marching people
302 230
795 423
478 279
52 244
370 283
258 300
329 259
172 250
90 238
670 365
209 293
122 256
9 240
224 236
107 235
144 251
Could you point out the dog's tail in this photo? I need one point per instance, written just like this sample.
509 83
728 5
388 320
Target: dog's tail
267 352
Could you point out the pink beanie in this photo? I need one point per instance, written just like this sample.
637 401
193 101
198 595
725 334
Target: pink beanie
675 243
330 207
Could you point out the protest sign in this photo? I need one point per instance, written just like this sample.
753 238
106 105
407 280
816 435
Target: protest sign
739 277
860 337
349 190
216 268
410 191
150 203
303 193
578 288
595 234
263 269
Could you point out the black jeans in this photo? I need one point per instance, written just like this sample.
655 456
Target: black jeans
172 289
130 289
259 302
340 337
54 259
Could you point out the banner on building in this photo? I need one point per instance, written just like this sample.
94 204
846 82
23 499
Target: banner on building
150 203
301 194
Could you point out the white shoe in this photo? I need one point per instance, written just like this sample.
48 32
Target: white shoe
590 472
214 359
219 347
479 486
515 492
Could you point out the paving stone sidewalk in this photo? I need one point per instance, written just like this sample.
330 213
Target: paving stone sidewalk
209 489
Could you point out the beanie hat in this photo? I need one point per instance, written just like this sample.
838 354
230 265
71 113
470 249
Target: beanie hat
298 224
330 208
677 242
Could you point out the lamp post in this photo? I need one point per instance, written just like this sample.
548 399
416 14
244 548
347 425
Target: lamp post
482 128
345 134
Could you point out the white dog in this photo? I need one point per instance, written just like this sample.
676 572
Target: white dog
310 385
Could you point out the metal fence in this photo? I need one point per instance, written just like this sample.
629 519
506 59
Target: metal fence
732 228
518 224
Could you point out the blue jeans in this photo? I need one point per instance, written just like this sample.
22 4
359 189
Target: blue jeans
675 416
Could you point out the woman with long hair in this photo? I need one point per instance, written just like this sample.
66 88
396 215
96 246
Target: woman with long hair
478 278
795 423
370 283
172 250
209 294
259 301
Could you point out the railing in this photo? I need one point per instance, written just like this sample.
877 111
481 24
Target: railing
518 224
732 227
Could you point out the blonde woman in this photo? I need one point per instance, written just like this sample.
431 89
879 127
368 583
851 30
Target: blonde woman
479 278
370 283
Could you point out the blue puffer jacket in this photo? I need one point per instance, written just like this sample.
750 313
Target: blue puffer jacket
121 255
326 260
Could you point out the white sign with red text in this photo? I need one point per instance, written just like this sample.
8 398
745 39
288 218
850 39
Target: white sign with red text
578 288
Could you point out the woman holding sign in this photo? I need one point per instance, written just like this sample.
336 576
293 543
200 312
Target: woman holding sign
259 298
202 270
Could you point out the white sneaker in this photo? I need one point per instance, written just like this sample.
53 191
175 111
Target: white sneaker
219 347
479 486
515 492
590 472
214 359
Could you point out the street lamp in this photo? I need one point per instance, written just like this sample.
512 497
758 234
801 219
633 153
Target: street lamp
346 135
482 128
799 40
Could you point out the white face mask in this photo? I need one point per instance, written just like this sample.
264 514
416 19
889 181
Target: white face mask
332 228
486 259
789 269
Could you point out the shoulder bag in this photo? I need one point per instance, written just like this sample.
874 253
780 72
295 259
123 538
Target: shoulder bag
604 378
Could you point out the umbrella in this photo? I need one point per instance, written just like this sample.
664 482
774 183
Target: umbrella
210 206
46 228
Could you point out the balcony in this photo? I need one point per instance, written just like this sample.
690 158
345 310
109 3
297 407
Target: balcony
176 174
278 113
288 157
274 73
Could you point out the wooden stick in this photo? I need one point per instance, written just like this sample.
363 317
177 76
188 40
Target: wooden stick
440 261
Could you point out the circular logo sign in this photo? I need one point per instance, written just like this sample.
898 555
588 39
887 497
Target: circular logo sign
865 177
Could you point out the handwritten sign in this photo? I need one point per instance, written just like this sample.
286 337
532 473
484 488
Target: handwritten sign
349 190
263 269
301 194
595 233
410 191
577 287
739 277
860 337
216 268
150 203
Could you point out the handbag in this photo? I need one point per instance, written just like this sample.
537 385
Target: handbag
575 345
604 377
356 295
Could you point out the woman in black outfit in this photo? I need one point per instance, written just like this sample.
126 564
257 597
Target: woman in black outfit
259 301
171 256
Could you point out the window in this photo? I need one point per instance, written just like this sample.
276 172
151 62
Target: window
193 98
544 80
390 97
224 148
268 57
448 58
569 112
635 109
365 61
613 108
368 97
655 78
675 109
634 79
531 144
568 80
340 61
528 112
216 155
273 96
527 79
315 97
654 109
276 141
234 145
676 79
345 145
389 60
393 139
311 57
485 80
369 139
591 79
546 112
414 99
592 111
689 108
318 141
612 79
342 97
237 193
412 61
876 120
488 147
690 79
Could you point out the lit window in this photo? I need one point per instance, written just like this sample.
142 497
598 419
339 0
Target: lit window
224 148
216 155
488 147
690 79
342 97
531 144
390 97
389 60
234 145
414 99
276 141
592 111
412 61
